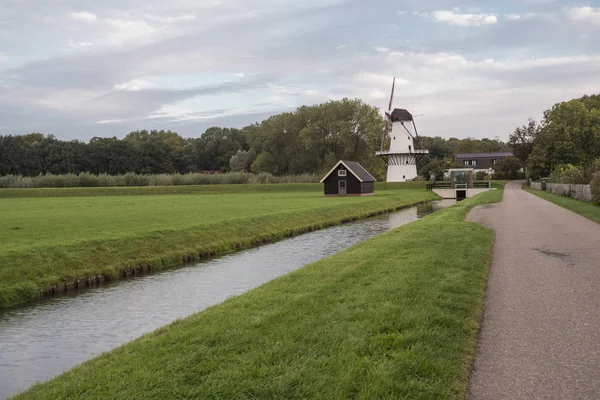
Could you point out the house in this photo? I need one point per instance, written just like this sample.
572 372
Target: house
348 178
479 161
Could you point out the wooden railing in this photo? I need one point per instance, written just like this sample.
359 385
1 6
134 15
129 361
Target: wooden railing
448 185
438 185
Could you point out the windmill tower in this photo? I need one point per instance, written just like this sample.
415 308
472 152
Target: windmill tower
405 150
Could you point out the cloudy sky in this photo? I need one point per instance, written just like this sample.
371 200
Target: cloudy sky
86 68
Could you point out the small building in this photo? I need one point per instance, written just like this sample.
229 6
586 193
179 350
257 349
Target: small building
480 161
348 178
461 185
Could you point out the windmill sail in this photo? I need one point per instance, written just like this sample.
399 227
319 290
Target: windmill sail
387 115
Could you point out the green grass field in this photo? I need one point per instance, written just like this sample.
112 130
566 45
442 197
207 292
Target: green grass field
588 210
394 317
48 241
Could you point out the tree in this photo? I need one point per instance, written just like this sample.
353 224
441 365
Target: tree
521 140
508 167
313 138
570 134
216 146
434 169
242 161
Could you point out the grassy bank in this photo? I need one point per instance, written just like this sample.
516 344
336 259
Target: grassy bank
588 210
393 317
50 244
194 189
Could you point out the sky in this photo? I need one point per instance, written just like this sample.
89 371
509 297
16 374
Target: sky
79 69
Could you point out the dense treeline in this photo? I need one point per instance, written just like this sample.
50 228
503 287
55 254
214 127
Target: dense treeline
306 141
567 137
565 145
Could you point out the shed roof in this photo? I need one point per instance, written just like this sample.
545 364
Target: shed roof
355 169
482 155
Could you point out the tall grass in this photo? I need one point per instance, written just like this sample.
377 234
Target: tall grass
86 179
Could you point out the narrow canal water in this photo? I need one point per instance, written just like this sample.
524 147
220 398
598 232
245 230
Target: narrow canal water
42 340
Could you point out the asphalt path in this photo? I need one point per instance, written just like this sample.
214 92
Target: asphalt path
540 334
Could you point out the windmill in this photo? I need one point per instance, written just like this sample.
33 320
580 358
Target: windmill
405 145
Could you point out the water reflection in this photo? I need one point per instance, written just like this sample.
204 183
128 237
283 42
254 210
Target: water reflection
42 340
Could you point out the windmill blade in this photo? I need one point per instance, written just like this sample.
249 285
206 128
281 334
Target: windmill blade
387 115
418 139
408 131
383 135
392 96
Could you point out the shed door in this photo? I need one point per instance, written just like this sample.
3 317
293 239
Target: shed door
342 187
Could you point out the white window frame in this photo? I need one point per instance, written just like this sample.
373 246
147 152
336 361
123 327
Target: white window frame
474 162
342 172
466 162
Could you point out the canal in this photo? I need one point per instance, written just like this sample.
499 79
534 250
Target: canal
42 340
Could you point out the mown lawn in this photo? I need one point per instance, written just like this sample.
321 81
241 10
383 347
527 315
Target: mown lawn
588 210
46 242
393 317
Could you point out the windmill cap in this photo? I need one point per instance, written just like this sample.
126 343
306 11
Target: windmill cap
400 114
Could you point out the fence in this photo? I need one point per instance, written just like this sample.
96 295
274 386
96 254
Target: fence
579 192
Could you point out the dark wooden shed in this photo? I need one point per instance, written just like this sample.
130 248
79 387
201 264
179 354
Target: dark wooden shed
348 178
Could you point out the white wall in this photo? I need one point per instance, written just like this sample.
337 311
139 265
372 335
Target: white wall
400 139
401 173
451 193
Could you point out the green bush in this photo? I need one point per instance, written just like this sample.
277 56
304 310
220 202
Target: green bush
500 176
480 175
575 174
595 188
569 174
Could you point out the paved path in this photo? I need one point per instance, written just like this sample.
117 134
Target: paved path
540 337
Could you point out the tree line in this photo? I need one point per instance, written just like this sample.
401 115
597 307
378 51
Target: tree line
309 140
565 144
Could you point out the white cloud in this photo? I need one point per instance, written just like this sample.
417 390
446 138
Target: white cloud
110 121
382 49
454 18
133 85
77 45
585 14
240 74
376 95
276 99
512 17
369 80
124 31
83 16
170 20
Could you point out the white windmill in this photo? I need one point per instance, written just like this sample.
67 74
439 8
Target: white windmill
405 149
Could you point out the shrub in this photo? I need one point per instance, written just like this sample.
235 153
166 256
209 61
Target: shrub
500 176
480 175
595 188
569 174
85 179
